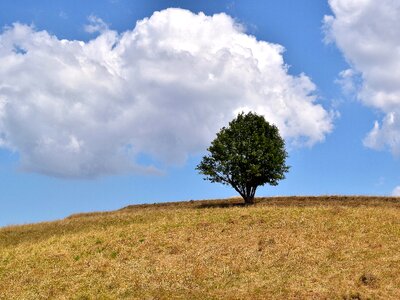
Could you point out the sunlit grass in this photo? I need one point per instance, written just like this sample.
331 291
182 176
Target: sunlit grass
280 248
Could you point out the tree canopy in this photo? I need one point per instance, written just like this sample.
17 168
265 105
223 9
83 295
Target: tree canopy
247 154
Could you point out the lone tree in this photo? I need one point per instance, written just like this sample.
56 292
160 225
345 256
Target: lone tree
246 154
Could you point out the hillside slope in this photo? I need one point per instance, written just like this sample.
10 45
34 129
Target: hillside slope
280 248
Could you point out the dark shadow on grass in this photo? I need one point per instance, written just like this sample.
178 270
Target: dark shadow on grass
307 201
221 205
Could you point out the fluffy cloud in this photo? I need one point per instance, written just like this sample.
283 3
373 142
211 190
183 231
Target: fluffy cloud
163 89
368 34
396 191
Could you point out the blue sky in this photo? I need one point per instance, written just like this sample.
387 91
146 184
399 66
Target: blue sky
126 120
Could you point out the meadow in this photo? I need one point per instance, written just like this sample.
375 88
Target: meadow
328 247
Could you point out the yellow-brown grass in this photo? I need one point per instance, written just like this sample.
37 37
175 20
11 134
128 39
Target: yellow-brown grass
280 248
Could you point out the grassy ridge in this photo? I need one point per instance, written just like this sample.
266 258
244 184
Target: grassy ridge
280 248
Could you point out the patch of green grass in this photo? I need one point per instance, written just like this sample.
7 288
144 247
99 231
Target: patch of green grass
280 248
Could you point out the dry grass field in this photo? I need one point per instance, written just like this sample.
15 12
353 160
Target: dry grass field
280 248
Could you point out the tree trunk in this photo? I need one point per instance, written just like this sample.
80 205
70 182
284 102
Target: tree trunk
248 199
249 195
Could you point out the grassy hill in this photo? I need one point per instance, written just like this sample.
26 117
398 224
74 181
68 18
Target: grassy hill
280 248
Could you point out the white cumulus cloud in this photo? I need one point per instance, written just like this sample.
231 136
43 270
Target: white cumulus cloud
368 34
396 191
163 89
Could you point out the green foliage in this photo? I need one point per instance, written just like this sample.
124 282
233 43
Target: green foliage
246 154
